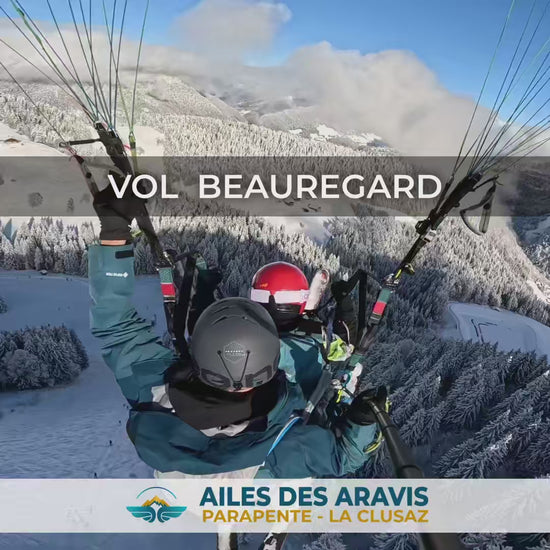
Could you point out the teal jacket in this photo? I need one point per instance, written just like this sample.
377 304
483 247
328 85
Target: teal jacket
162 440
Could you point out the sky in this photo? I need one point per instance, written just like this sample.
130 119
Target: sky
454 38
435 30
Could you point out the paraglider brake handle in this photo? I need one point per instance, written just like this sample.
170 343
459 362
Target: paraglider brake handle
486 205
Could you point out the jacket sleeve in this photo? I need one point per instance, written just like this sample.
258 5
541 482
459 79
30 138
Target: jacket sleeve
313 451
128 343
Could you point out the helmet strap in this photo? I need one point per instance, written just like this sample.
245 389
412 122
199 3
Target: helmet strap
237 386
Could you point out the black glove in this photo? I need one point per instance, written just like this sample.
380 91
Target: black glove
116 215
360 411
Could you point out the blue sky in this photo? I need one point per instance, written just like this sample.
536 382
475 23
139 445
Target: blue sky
455 38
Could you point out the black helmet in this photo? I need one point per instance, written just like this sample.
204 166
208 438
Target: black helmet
235 345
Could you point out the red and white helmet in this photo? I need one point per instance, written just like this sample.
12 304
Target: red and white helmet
283 289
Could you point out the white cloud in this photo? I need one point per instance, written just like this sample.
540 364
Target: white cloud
155 59
231 28
391 93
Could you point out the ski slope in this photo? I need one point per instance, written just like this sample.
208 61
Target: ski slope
508 330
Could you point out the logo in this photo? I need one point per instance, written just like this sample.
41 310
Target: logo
156 508
121 275
234 352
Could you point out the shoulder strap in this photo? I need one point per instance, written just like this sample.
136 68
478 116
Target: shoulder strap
342 289
169 293
197 287
186 273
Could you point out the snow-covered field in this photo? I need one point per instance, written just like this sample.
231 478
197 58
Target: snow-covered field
57 177
508 330
65 432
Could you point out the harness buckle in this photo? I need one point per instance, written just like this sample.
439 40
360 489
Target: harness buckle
429 236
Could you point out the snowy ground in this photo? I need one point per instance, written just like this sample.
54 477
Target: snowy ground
57 176
313 227
508 330
53 162
94 410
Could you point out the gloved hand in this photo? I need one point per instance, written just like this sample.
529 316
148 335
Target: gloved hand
116 215
360 411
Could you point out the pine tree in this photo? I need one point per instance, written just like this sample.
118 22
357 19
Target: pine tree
488 435
472 393
525 369
327 541
535 459
544 544
486 541
483 463
423 426
80 350
40 357
394 541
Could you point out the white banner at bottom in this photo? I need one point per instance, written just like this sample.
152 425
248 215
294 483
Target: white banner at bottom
259 506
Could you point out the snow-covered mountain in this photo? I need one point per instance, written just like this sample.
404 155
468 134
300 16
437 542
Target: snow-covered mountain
534 234
165 99
359 142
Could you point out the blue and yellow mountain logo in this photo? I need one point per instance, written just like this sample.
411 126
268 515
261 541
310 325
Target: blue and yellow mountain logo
155 507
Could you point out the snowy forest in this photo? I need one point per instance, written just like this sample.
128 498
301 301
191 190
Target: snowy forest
186 134
534 233
40 357
458 266
540 253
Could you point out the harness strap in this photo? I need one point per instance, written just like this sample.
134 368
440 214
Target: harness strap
181 309
310 326
360 277
168 290
362 306
380 306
